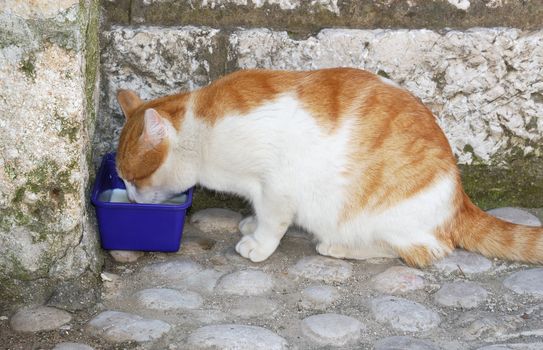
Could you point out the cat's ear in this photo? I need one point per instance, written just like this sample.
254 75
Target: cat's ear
129 101
154 130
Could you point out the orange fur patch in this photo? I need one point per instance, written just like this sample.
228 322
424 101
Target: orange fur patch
473 229
136 161
241 92
417 256
398 149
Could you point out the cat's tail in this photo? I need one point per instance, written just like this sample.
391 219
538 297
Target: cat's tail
475 230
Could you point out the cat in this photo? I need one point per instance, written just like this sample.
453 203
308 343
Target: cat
351 157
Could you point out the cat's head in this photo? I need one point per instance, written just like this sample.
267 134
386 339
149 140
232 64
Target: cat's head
143 156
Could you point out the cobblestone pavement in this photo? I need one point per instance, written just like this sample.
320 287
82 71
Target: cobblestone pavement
208 297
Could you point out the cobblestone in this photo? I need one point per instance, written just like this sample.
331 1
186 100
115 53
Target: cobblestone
332 329
318 297
214 299
526 282
323 269
464 262
516 216
398 279
404 342
246 282
39 319
168 299
462 294
72 346
239 337
403 314
125 256
119 326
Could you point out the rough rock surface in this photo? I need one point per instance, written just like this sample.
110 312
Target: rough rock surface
404 342
239 337
404 315
318 297
47 104
216 220
398 279
332 329
461 261
462 294
125 256
322 269
245 282
72 346
516 216
526 282
39 319
119 327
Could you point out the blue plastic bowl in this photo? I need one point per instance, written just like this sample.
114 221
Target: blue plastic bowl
135 226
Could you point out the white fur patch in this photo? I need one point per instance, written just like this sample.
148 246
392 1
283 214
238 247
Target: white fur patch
406 224
290 168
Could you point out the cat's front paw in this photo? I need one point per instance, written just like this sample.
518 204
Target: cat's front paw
247 226
249 248
330 250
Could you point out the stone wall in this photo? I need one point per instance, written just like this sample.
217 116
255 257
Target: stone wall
48 98
483 79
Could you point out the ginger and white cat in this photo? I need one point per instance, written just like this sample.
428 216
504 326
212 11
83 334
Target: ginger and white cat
354 159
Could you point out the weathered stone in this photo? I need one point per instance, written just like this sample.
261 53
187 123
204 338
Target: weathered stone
76 293
203 281
516 216
47 106
245 282
38 10
323 269
318 297
260 307
464 262
173 270
302 17
516 346
120 326
72 346
404 342
39 319
398 279
526 282
239 337
125 256
112 286
332 329
168 299
209 316
196 245
477 325
152 61
462 294
403 314
216 220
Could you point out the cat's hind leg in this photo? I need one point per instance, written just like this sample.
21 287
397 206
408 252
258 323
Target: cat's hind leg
359 252
248 225
270 223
